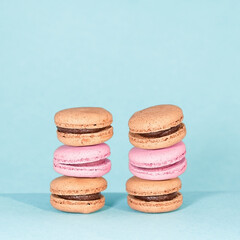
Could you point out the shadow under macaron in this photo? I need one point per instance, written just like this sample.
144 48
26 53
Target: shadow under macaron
192 197
114 200
42 201
38 200
117 200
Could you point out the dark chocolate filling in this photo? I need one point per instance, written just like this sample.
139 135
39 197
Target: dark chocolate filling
158 198
88 197
162 133
80 131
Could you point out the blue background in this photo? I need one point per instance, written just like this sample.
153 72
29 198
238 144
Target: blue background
123 56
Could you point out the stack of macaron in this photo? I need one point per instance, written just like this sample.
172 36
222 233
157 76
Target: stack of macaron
157 159
83 159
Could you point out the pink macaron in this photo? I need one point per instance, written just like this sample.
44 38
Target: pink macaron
89 161
159 164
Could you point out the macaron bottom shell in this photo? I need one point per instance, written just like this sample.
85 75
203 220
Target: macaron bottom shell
155 207
74 206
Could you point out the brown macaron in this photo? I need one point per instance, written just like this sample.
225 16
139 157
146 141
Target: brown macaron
156 127
78 195
83 126
154 196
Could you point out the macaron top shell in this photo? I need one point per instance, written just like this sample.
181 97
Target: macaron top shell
83 118
156 118
77 186
148 158
141 187
85 154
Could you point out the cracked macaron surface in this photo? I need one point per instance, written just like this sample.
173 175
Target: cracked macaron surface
158 164
83 126
79 195
88 161
157 127
154 196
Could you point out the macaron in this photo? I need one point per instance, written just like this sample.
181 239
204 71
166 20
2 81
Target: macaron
89 161
154 196
83 126
156 127
78 195
158 164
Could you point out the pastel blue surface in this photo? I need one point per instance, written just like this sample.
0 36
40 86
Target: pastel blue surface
124 56
204 215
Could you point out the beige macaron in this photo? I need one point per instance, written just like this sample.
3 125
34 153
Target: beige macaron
156 127
83 126
154 196
78 195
